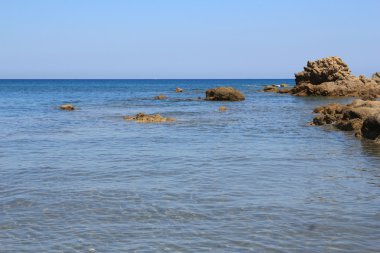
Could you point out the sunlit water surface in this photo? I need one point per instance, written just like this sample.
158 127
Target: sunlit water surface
255 178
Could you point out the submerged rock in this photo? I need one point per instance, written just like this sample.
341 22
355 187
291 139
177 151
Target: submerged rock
178 90
67 107
271 88
148 118
160 97
362 117
332 77
222 109
224 94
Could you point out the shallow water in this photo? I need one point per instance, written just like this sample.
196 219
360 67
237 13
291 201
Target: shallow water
255 178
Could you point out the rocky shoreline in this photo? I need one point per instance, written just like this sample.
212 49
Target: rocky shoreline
332 77
361 117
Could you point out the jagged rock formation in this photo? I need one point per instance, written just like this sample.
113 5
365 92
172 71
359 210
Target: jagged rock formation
224 94
362 117
148 118
332 77
376 77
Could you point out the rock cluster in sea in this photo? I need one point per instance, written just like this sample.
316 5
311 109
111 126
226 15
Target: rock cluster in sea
276 88
148 118
332 77
362 117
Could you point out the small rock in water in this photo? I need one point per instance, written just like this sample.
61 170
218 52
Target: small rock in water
284 85
148 118
67 107
178 90
224 94
160 97
270 88
222 108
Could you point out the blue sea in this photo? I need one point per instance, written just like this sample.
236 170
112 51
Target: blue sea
256 178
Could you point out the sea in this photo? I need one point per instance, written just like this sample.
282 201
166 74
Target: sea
255 178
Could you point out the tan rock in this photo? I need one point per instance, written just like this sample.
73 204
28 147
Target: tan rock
148 118
331 77
67 107
178 90
362 117
224 94
222 108
160 97
271 88
376 77
283 91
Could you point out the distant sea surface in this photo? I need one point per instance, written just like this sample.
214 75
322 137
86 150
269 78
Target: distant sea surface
255 178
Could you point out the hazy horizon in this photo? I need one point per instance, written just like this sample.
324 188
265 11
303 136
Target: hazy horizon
196 39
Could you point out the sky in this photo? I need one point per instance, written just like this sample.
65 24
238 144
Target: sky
186 39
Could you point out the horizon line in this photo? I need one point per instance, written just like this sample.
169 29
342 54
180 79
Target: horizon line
2 79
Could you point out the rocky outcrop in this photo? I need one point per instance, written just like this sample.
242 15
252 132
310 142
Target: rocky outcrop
332 77
362 117
224 94
376 77
67 107
324 70
160 97
148 118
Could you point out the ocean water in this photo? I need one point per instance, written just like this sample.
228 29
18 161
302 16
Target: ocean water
255 178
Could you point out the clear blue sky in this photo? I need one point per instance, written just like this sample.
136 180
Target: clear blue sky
184 38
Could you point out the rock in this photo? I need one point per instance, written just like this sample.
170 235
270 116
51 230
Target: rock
376 77
148 118
224 94
284 85
332 77
222 109
283 91
362 117
371 127
67 107
271 88
178 90
328 69
160 97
